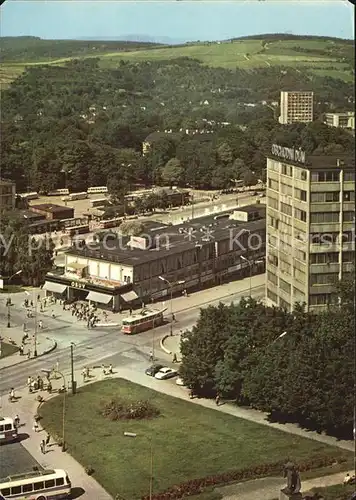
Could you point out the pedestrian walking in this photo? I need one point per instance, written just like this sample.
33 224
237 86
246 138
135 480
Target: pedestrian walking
12 395
48 438
29 354
110 370
24 327
17 421
174 360
217 399
35 426
31 303
40 324
42 446
38 297
151 355
53 315
21 350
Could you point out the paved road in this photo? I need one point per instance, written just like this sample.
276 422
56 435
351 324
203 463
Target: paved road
95 345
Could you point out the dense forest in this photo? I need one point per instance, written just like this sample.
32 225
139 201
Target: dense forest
82 125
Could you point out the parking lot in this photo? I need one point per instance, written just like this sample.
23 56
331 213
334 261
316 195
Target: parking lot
14 459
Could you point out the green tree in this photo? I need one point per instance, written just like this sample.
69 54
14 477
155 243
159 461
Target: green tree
250 179
172 172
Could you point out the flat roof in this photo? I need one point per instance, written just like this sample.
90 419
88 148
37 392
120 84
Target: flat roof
172 239
50 207
314 162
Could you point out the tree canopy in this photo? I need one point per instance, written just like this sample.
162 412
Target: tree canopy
296 366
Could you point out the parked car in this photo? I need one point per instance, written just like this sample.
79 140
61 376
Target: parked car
165 373
152 370
179 381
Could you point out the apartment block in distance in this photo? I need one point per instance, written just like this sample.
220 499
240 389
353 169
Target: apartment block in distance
7 195
310 227
340 120
296 107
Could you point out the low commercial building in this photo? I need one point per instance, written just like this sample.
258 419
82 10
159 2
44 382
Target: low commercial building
53 212
7 195
341 120
201 253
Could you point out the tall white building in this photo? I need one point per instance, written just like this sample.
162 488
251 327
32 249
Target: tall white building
296 107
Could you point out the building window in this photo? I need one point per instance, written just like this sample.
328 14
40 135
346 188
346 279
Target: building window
330 176
283 285
272 203
333 196
272 240
348 256
320 299
272 296
324 258
272 278
324 279
287 170
300 215
300 194
272 259
273 184
348 216
349 196
349 176
286 209
303 175
284 304
321 217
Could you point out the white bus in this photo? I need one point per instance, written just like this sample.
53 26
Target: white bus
75 196
37 485
58 192
97 189
29 196
8 430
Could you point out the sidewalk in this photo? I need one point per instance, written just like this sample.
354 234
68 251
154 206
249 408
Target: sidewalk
26 407
45 345
268 488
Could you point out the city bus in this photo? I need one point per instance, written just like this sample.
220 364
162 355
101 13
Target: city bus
140 322
97 189
58 192
72 231
29 196
106 224
8 430
75 196
37 485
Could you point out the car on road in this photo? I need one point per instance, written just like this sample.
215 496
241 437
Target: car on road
152 370
179 381
166 373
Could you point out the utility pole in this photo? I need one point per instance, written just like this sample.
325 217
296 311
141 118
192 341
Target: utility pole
74 385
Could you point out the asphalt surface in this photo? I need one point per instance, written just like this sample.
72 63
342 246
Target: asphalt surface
95 345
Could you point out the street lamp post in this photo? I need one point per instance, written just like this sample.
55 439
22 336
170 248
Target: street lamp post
170 284
9 299
48 372
251 263
74 385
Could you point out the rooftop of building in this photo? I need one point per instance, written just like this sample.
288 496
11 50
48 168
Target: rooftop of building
175 239
29 215
314 162
341 113
50 207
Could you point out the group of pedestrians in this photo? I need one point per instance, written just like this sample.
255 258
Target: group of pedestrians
84 312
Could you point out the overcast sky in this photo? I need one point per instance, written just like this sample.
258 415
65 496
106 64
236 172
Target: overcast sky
194 20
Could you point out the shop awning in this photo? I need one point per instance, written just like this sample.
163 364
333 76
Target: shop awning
129 296
76 265
49 286
102 298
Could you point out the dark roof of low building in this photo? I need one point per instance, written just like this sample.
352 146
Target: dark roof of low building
28 214
172 239
50 207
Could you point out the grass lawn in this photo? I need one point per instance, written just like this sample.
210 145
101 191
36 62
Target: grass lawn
7 349
188 441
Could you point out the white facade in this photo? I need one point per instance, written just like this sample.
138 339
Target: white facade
99 269
296 107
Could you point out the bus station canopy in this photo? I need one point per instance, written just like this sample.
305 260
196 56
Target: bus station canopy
49 286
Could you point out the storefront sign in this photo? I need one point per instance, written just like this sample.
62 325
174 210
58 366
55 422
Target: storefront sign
76 284
291 154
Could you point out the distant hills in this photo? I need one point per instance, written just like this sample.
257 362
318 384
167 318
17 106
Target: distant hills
164 40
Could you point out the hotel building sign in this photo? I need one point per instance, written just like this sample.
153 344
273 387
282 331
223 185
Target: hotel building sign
291 154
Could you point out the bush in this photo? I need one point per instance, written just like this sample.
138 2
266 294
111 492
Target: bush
137 410
196 486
